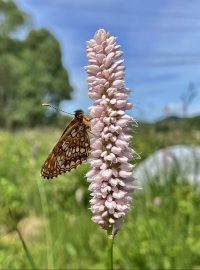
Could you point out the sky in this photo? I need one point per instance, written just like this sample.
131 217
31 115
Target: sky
160 41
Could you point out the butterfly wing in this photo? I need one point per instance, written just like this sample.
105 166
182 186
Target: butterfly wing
70 151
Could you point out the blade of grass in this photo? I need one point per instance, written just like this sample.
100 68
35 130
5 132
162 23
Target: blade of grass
45 209
26 250
25 247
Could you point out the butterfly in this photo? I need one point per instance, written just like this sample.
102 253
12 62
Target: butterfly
72 148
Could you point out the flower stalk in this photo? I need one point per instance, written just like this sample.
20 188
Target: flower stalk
110 237
111 177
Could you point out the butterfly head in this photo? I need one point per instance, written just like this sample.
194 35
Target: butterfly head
79 114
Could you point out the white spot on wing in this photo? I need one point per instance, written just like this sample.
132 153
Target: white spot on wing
74 132
82 150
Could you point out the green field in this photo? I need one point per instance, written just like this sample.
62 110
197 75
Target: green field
55 220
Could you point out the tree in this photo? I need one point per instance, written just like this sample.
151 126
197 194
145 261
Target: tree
31 71
11 17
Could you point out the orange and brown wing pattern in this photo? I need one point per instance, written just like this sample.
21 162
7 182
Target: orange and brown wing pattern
70 151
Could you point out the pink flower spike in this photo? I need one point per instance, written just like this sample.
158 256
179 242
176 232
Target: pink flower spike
110 177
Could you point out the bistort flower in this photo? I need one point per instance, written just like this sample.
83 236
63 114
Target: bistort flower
111 176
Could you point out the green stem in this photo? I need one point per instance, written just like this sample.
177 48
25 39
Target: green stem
110 250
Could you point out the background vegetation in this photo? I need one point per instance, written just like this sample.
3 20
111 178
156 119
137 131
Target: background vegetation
161 231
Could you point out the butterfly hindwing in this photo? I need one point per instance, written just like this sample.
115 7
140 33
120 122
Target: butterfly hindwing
70 151
75 149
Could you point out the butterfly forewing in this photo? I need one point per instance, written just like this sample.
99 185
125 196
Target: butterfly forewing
71 150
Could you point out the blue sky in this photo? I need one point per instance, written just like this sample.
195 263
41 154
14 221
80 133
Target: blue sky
160 40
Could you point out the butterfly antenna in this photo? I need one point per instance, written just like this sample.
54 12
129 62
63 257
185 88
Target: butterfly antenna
49 105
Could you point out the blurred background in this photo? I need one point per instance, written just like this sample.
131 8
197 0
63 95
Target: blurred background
42 59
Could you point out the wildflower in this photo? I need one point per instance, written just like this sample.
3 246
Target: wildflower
110 177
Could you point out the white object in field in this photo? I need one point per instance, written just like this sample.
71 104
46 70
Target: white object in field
183 158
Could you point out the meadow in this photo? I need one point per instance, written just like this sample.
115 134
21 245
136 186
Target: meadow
162 230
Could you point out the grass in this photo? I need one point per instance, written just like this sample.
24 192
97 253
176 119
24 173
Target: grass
161 231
